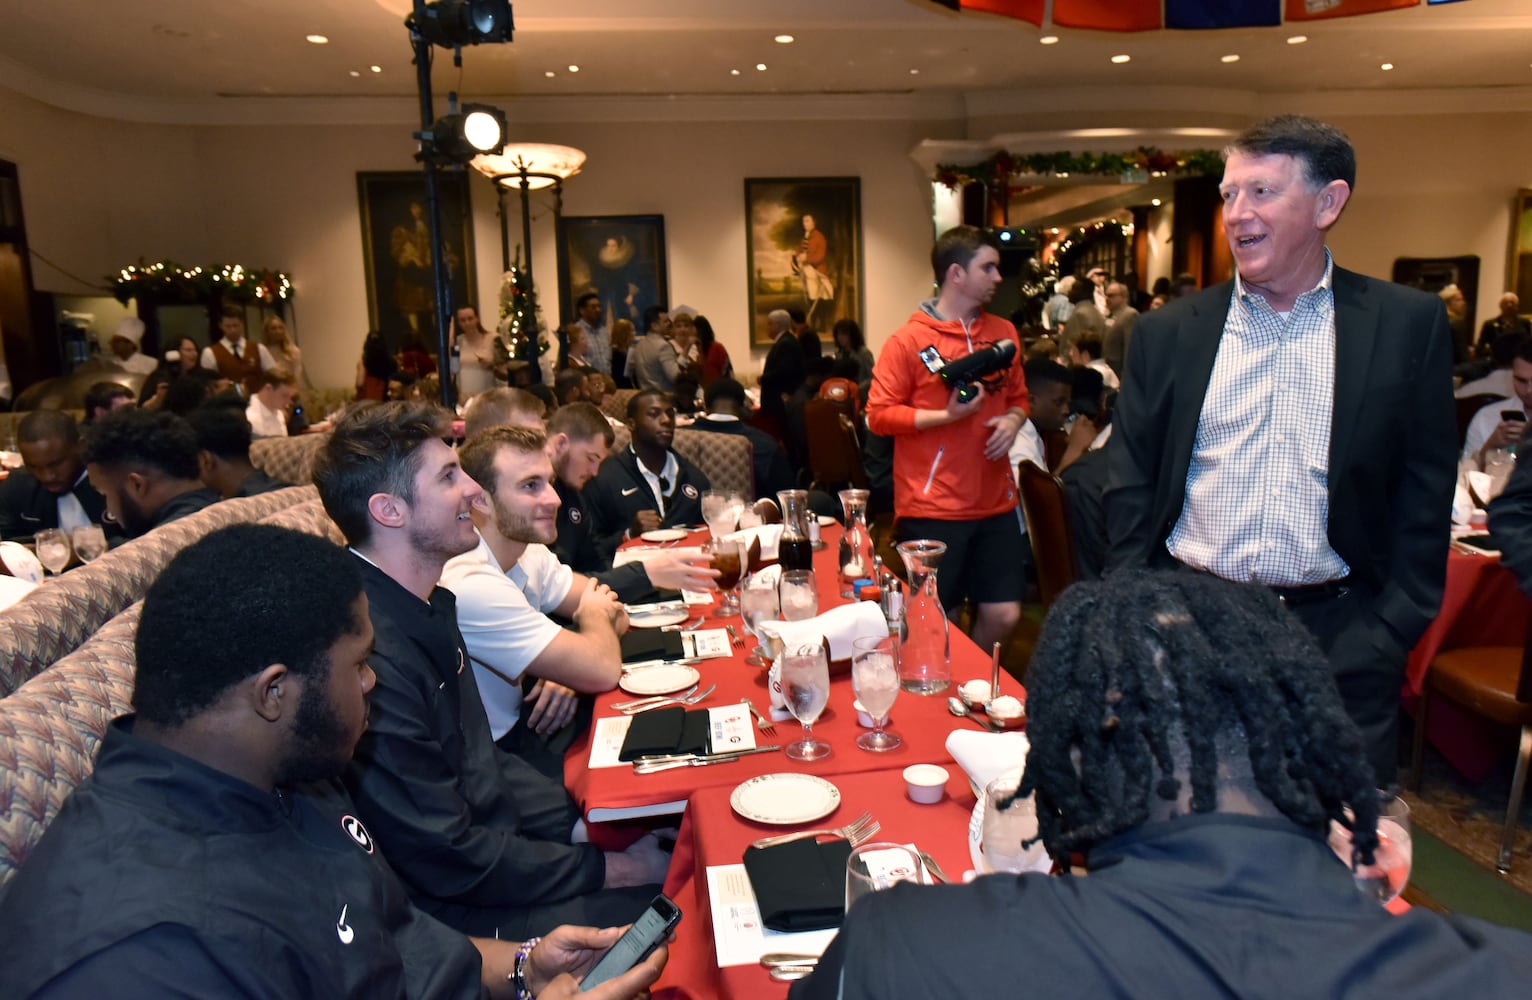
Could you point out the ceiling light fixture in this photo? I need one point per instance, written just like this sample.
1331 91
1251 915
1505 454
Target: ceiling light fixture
1297 39
549 73
1048 40
761 67
356 72
734 72
1120 59
1386 67
914 72
544 164
784 39
573 68
1155 202
464 133
455 23
1230 58
316 39
376 69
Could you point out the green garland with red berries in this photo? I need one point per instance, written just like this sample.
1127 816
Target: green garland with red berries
169 281
1000 168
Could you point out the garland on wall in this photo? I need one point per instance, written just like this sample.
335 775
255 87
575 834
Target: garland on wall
168 280
1000 168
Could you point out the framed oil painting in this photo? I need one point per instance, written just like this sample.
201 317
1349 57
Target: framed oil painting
619 257
396 251
804 241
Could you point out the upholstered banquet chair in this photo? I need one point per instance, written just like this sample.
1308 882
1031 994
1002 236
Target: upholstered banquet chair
1047 516
1495 683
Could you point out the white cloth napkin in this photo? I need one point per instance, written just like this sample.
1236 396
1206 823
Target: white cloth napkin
769 575
769 534
986 756
841 626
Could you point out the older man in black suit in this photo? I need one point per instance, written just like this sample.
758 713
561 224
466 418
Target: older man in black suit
1294 427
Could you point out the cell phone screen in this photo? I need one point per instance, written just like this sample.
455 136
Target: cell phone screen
646 934
1514 415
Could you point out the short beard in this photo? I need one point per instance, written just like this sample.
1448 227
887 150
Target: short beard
516 528
321 746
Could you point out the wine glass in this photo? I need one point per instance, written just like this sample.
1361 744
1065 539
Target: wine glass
806 689
727 557
799 595
875 680
52 549
1386 877
758 603
874 867
715 508
89 542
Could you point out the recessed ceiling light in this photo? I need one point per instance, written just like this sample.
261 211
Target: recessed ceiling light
317 39
734 72
1055 230
1297 39
548 73
1155 202
761 67
356 72
376 69
574 69
1048 40
1230 58
1121 58
914 72
1386 67
783 39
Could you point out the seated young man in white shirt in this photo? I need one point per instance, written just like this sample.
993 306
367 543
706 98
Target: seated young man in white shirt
1496 425
271 403
507 587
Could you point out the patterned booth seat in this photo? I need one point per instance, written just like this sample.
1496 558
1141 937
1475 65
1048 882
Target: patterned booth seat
58 616
728 460
288 459
616 405
50 728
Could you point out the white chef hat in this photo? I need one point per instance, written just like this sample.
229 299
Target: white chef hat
131 328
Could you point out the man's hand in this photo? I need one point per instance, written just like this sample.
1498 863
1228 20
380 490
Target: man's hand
566 953
599 599
641 864
553 705
677 570
1507 432
645 520
957 410
1004 430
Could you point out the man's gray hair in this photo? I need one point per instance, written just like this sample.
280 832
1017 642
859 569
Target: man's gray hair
778 320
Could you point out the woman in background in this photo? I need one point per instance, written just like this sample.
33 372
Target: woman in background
850 345
186 358
283 351
622 336
715 358
374 368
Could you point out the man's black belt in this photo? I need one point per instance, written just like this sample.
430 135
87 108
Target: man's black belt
1313 593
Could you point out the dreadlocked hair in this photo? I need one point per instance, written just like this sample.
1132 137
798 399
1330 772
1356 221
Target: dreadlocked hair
1130 667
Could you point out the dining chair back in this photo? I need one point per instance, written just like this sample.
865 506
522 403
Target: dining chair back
835 455
1047 516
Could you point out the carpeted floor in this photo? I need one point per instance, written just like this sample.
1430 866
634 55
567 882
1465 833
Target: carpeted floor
1470 818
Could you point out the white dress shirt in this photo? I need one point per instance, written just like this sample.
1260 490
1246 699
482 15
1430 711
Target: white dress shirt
672 469
1257 490
1483 425
265 422
210 361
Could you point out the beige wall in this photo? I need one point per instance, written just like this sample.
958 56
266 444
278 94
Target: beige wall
100 193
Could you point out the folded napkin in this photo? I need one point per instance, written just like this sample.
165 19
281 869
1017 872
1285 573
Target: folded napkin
665 730
641 644
799 885
768 535
769 574
841 626
986 756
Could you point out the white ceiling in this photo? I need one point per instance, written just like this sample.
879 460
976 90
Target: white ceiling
237 52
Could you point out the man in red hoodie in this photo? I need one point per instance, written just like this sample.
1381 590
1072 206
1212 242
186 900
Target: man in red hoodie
952 479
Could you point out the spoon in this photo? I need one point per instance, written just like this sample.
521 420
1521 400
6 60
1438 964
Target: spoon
956 707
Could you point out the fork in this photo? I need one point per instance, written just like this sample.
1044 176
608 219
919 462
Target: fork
619 706
689 700
864 826
762 722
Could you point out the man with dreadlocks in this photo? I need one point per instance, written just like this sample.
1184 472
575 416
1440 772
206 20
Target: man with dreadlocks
1187 739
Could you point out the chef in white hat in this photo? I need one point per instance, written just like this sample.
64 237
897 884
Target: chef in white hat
123 343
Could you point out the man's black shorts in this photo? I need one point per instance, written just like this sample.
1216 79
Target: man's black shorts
985 560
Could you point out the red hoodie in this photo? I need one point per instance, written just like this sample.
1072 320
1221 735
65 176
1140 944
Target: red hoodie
941 472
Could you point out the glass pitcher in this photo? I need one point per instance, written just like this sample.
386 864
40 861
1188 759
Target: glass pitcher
925 666
795 550
856 544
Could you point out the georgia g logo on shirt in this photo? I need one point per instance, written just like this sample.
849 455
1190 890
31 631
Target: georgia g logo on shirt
357 832
690 491
575 515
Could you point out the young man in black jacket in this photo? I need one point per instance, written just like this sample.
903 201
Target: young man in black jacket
648 486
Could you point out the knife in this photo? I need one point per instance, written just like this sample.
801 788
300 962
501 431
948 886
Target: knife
777 958
650 765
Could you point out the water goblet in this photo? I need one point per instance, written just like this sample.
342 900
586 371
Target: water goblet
806 689
89 542
52 549
714 504
1008 820
1386 877
758 603
875 681
799 595
874 867
727 557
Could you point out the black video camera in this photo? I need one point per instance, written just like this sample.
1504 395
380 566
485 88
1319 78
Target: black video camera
965 373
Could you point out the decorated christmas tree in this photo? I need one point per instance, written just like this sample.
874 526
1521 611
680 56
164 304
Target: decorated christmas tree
521 322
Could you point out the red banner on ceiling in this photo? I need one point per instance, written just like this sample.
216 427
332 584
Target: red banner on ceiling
1030 11
1119 15
1318 10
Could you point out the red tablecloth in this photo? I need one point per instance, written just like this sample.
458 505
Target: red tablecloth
922 721
711 835
1481 606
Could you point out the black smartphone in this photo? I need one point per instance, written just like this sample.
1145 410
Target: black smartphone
648 932
1515 415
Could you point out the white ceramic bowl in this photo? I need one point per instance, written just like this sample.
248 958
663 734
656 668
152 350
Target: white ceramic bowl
864 720
925 783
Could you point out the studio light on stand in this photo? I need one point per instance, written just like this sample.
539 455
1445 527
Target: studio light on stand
455 23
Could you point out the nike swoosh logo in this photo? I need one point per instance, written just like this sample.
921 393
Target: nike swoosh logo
630 491
346 934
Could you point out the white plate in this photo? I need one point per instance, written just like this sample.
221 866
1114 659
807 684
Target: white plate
658 680
825 520
664 535
655 619
785 799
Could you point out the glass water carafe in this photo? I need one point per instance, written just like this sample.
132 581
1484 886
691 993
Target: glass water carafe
925 666
795 550
856 544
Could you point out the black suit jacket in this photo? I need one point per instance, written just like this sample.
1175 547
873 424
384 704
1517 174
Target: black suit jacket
26 508
620 491
1393 455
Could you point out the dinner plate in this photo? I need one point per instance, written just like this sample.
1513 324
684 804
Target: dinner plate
655 619
785 799
659 680
664 535
825 520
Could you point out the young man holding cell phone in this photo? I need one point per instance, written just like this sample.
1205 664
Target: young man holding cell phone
1500 424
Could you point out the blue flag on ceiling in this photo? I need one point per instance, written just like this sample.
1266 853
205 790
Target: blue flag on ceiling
1196 15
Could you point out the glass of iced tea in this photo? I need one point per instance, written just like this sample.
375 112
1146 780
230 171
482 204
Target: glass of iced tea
727 557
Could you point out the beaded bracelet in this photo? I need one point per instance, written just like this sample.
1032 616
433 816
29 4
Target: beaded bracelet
519 970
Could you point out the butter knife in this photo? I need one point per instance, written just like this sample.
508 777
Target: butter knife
642 766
